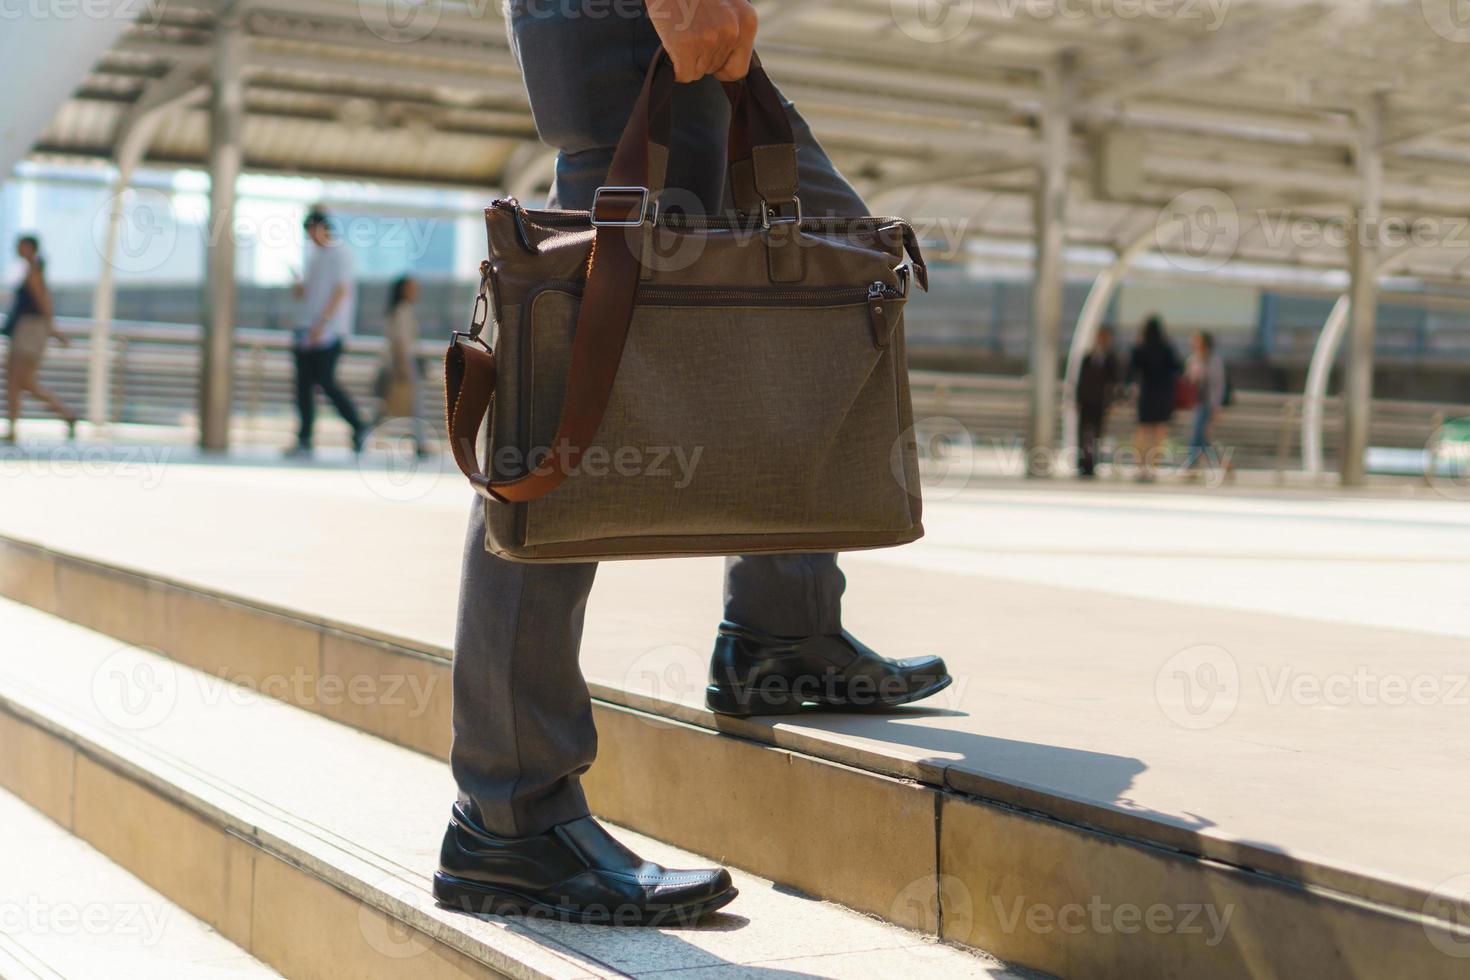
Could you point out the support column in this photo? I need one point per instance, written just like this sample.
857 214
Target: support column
1047 279
99 360
1363 269
226 117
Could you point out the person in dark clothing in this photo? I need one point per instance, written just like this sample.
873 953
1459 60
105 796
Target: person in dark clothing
1154 368
31 328
329 298
1097 386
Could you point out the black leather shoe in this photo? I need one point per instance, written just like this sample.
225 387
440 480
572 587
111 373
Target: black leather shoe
575 872
753 673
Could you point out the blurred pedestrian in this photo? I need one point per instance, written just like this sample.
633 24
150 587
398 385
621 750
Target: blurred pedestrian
1097 386
400 381
329 299
1206 373
1154 368
31 326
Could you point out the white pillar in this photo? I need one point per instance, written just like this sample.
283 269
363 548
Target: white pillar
1363 269
1047 280
226 115
99 355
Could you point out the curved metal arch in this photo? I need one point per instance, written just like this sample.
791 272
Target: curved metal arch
1324 354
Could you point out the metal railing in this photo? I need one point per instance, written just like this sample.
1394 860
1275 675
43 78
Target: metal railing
155 377
154 373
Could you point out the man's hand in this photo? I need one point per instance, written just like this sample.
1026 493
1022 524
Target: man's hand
705 37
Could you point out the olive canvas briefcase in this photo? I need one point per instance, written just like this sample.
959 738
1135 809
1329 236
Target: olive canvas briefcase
661 384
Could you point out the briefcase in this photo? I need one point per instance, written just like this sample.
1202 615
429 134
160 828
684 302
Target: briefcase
661 384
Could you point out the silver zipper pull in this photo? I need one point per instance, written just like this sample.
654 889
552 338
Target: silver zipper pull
877 315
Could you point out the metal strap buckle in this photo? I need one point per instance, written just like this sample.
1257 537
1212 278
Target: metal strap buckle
770 216
460 337
642 193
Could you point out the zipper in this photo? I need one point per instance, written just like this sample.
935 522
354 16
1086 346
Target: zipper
580 219
876 296
873 294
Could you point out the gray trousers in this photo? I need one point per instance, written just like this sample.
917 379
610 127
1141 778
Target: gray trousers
523 729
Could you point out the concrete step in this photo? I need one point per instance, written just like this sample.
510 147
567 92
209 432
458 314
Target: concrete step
69 913
1040 813
311 845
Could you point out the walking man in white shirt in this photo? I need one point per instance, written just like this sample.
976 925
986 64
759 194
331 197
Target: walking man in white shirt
328 297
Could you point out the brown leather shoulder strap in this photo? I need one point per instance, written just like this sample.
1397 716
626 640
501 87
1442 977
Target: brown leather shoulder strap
603 318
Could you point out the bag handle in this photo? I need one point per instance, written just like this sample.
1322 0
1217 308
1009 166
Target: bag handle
612 282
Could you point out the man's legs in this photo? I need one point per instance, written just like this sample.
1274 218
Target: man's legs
305 395
523 729
336 394
1089 433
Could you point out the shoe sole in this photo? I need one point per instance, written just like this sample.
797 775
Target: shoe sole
733 703
473 898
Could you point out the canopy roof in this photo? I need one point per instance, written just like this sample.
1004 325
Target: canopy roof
1249 108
